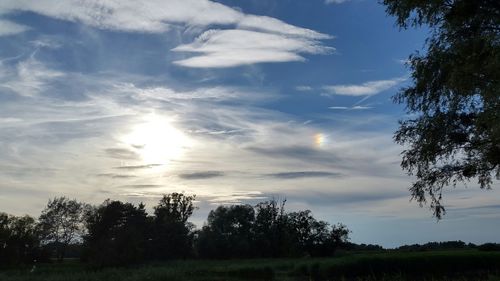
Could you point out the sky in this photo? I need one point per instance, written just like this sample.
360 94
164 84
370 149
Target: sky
234 101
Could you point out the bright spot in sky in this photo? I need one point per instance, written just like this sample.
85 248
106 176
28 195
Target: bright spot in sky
319 140
156 140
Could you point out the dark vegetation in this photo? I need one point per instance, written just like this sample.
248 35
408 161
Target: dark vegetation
452 134
120 234
121 241
387 265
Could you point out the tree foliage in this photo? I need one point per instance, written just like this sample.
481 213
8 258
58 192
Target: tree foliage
453 134
228 233
116 234
266 230
172 233
19 243
270 228
61 223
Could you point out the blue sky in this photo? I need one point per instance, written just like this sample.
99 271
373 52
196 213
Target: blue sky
235 101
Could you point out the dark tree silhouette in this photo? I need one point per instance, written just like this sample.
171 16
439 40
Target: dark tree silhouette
61 223
315 238
19 243
240 231
228 233
121 234
116 234
172 233
270 229
454 132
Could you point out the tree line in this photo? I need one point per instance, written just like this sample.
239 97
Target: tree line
117 233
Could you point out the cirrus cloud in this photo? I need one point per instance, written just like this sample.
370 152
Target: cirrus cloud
369 88
11 28
245 39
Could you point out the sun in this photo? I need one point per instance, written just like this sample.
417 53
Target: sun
156 140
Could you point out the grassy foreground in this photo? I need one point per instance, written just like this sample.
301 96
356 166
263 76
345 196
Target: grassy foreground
438 265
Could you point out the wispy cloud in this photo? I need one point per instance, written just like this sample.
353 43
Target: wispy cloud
356 107
201 175
154 16
121 153
246 39
335 1
303 88
116 176
228 48
304 174
272 25
151 16
137 167
28 77
369 88
140 186
10 28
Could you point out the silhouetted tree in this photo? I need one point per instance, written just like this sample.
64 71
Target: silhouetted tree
61 223
453 132
240 231
172 233
270 229
116 234
339 236
19 243
434 246
313 237
228 233
300 227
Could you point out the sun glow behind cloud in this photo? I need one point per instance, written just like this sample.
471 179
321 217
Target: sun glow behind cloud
157 141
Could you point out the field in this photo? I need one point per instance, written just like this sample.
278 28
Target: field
437 265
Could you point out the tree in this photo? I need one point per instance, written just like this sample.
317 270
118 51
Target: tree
228 233
270 229
314 237
453 134
19 243
172 231
339 235
116 234
61 223
301 226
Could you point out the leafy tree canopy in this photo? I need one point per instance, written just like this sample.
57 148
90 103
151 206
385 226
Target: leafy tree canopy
61 223
18 240
453 132
172 233
116 234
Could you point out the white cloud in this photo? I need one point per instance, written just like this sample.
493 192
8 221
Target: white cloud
153 15
304 88
247 39
128 15
227 48
28 77
335 1
11 28
273 25
359 107
355 107
365 89
46 42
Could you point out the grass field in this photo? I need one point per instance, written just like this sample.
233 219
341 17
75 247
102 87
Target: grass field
438 265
